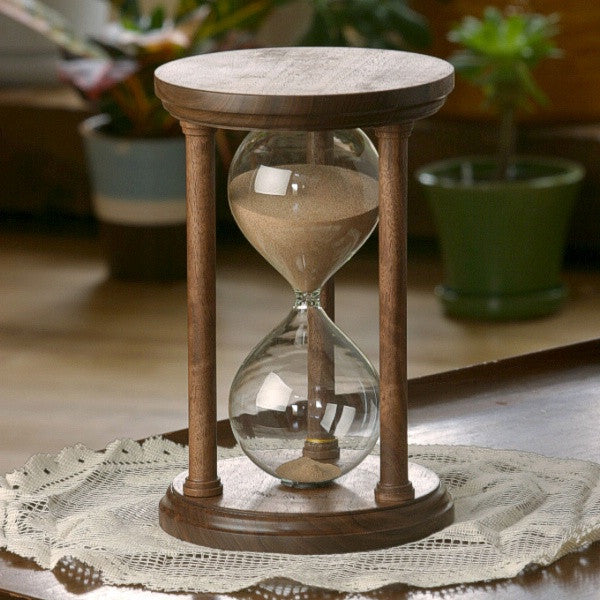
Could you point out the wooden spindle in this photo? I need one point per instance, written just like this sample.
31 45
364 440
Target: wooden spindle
394 485
320 151
202 480
320 444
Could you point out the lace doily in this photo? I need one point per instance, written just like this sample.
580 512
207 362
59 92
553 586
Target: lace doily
513 510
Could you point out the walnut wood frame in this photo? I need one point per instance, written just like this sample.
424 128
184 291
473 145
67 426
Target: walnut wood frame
311 89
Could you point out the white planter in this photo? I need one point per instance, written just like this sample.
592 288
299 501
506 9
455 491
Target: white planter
138 194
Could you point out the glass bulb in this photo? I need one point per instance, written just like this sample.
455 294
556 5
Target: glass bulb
306 203
304 405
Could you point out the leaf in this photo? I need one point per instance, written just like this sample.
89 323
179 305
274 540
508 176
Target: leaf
467 64
372 23
157 18
413 26
226 16
499 51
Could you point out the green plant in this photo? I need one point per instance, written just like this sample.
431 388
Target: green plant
369 23
114 72
498 55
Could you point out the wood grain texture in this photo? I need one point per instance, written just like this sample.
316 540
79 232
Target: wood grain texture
320 151
393 485
303 88
201 280
320 445
328 297
257 514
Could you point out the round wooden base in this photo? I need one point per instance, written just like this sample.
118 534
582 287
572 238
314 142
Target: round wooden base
257 513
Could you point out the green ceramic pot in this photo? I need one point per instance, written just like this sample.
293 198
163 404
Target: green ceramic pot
502 242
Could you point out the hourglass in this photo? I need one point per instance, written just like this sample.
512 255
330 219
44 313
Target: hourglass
307 188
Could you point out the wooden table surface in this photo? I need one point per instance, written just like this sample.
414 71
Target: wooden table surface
546 402
87 359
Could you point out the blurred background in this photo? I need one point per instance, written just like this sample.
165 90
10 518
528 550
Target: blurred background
92 292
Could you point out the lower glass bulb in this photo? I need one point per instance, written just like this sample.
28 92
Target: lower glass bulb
304 405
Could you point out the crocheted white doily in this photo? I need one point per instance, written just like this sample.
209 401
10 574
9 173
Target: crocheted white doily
513 509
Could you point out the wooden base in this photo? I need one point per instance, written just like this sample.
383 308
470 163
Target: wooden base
257 513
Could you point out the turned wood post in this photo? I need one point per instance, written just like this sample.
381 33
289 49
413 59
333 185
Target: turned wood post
394 485
202 480
320 444
320 151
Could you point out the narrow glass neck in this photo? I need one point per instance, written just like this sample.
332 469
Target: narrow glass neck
304 300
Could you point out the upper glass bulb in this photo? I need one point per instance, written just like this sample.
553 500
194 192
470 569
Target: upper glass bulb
306 201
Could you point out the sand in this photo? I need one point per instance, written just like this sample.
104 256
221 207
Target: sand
307 470
309 232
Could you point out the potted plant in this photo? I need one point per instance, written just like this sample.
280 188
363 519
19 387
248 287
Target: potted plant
135 148
502 221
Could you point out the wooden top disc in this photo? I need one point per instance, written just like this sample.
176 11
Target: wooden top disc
303 88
